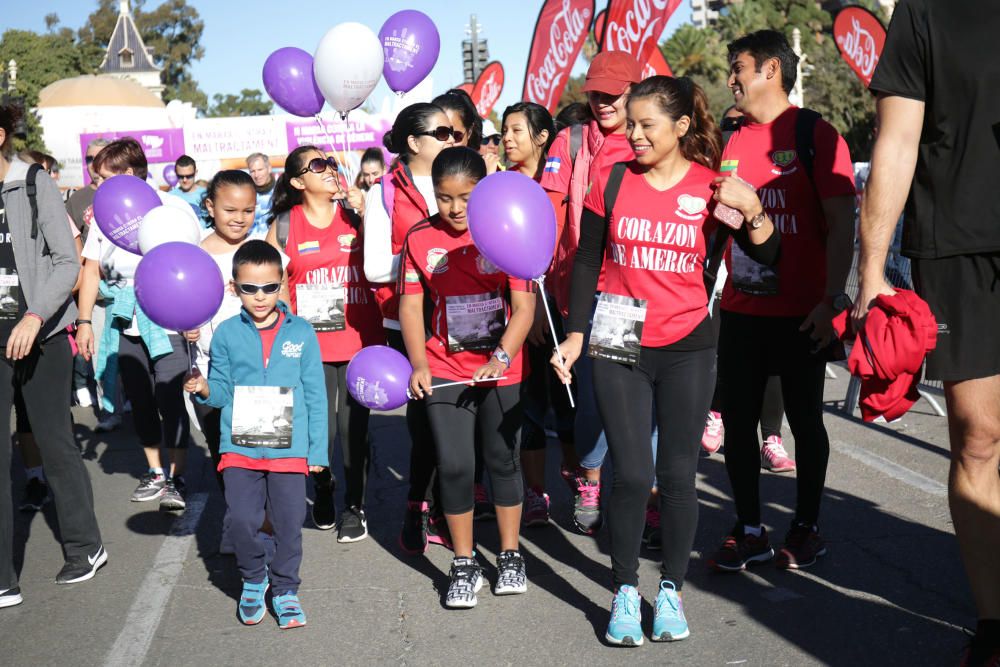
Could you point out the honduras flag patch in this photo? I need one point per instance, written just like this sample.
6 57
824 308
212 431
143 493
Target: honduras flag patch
552 165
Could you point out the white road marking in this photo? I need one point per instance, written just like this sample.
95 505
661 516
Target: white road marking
892 469
150 602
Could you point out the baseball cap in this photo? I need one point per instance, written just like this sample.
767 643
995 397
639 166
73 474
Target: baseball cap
489 129
611 72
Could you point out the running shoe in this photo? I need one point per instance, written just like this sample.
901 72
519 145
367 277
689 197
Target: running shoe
353 525
413 536
511 577
438 532
711 438
252 608
803 546
36 495
151 486
172 499
10 597
569 476
739 550
466 580
536 508
324 513
484 508
625 627
669 622
82 568
773 456
83 398
288 609
110 422
587 507
651 535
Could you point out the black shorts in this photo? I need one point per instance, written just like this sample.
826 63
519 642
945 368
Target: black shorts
963 292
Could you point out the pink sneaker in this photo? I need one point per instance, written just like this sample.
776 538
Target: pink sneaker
711 438
536 508
773 456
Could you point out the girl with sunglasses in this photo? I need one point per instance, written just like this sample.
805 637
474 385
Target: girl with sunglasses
479 320
401 199
327 287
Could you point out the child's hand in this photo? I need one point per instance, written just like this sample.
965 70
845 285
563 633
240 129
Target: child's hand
317 469
493 368
196 383
192 336
420 382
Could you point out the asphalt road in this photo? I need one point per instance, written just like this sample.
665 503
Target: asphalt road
890 592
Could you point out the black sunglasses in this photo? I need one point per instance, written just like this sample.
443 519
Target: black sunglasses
250 289
318 165
442 133
90 159
184 177
495 140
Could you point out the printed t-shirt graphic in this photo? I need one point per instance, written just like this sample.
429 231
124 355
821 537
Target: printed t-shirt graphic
12 305
764 155
467 290
656 251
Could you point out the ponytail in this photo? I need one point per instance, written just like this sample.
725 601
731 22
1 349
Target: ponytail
411 121
287 196
683 97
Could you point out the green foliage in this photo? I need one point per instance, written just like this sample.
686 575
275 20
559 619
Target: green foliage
250 102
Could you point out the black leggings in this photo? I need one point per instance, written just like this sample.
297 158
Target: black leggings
542 389
680 383
751 349
460 414
156 389
348 419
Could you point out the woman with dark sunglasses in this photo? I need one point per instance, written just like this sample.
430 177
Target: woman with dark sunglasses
326 286
401 199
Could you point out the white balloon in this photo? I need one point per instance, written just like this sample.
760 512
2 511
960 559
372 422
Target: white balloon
348 65
175 113
165 224
176 202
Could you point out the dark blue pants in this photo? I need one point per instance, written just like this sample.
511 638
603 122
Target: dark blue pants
283 495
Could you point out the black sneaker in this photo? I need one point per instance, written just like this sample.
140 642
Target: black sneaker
150 487
324 512
10 597
413 536
81 568
739 550
36 494
353 526
511 578
466 580
172 499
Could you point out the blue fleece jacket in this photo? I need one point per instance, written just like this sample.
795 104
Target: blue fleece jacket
237 359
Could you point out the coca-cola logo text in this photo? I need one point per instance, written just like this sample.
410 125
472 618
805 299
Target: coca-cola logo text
559 36
632 29
488 88
860 38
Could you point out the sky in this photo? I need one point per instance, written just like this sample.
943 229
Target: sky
240 34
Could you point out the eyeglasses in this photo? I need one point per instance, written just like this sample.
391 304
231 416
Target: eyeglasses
90 159
184 177
250 289
495 140
442 133
318 165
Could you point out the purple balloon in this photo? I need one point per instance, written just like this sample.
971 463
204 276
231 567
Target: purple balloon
378 377
119 205
170 175
411 44
289 80
513 224
178 286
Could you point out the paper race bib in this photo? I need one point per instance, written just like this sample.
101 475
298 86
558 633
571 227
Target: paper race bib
616 331
475 321
262 417
10 294
322 305
751 277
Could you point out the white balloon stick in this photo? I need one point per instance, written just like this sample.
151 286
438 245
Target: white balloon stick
452 384
562 362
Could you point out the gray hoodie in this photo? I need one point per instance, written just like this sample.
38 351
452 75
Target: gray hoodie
47 276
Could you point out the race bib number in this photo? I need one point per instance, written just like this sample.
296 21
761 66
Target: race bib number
10 294
262 417
322 305
751 277
616 331
475 321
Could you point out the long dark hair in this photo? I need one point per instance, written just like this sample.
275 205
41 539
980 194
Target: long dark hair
683 97
459 101
286 196
411 121
538 118
227 177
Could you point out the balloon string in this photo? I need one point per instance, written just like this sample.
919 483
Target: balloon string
326 133
347 152
190 356
552 328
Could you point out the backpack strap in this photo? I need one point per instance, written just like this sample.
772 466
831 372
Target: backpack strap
612 188
32 189
282 223
715 248
805 139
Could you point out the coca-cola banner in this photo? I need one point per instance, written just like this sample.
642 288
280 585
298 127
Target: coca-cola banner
489 85
560 32
467 87
655 65
860 37
635 26
599 25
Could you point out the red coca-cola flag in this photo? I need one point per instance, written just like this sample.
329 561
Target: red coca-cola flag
488 87
655 65
860 37
467 87
635 26
599 25
560 32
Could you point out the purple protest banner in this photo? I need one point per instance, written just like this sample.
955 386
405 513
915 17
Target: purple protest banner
160 146
364 133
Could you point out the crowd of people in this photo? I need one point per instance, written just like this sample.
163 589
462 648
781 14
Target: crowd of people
668 355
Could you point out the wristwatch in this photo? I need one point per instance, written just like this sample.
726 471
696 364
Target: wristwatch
502 356
758 220
839 302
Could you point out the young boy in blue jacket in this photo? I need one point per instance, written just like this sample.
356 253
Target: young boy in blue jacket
266 376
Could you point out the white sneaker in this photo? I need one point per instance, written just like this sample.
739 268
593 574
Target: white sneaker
511 578
10 597
83 397
466 580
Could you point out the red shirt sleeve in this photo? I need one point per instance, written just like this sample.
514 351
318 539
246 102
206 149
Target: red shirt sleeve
558 165
518 285
411 274
594 200
833 171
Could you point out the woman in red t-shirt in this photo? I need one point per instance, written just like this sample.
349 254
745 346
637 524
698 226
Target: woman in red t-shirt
651 337
326 285
479 321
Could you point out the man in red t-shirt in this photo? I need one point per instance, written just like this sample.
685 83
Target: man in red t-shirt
776 320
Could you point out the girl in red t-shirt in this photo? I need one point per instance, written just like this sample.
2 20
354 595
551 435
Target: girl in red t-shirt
326 285
479 321
651 339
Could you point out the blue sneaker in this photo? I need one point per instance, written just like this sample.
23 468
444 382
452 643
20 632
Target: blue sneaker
625 627
288 609
669 623
251 609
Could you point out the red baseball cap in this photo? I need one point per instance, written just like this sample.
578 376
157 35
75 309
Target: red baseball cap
611 72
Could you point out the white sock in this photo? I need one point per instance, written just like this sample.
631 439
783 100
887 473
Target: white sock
157 471
36 473
752 530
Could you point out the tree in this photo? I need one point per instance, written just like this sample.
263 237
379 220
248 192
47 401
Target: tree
250 102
